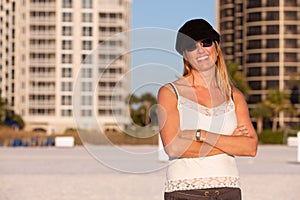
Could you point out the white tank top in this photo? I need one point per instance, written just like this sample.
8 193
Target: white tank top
205 172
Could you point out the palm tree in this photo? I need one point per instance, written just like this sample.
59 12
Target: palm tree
238 77
140 108
131 100
260 112
278 101
147 100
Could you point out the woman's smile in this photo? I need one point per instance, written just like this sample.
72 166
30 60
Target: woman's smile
202 58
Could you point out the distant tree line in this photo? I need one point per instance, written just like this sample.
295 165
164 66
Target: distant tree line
9 117
140 109
276 102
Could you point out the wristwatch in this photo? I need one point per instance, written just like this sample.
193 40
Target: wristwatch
198 135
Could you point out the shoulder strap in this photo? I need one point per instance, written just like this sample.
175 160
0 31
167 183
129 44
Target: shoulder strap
175 89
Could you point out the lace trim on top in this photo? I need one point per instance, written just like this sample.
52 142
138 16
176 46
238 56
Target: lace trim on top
202 183
214 111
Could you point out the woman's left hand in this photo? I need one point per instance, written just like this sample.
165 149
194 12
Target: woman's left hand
241 131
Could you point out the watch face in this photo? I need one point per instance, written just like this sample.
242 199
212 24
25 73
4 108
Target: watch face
198 133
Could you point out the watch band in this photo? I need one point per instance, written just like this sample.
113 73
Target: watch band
198 135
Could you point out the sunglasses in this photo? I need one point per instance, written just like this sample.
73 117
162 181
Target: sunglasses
203 43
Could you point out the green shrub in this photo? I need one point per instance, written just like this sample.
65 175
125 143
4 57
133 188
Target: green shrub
270 137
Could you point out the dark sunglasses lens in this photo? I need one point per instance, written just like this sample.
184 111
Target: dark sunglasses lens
206 42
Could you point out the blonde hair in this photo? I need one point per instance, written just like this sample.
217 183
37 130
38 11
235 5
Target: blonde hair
222 77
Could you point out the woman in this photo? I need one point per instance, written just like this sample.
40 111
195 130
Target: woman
204 121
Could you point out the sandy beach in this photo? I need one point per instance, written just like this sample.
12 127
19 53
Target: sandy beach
75 174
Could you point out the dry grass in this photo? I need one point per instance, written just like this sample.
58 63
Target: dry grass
8 135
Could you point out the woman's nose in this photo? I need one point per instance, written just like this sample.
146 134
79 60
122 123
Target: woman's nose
200 48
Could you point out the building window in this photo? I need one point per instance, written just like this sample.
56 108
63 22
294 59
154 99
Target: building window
252 17
290 15
227 12
86 100
272 15
86 86
87 59
67 31
254 44
253 3
67 17
252 58
87 17
66 86
272 57
272 43
255 85
288 70
290 43
87 3
66 72
272 84
86 113
254 71
290 3
254 30
272 3
272 71
66 100
290 29
66 58
290 57
66 113
86 45
87 31
67 44
228 37
239 7
67 4
102 112
86 72
228 50
272 29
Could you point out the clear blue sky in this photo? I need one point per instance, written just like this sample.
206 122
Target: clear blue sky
159 64
170 13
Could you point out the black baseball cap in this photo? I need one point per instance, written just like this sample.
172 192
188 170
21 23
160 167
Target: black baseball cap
194 30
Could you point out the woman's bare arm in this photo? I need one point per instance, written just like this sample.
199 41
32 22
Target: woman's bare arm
175 142
243 142
178 143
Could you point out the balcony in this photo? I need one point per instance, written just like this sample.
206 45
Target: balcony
112 22
42 90
43 34
42 61
45 6
43 48
42 76
43 20
42 103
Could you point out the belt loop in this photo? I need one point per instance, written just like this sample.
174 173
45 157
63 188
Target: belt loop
206 193
214 195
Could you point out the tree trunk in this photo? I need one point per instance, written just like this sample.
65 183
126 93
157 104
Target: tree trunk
259 124
274 125
147 114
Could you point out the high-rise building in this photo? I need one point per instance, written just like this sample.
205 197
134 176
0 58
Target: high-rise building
263 36
45 43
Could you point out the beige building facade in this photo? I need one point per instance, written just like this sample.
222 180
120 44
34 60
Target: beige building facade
263 36
48 47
